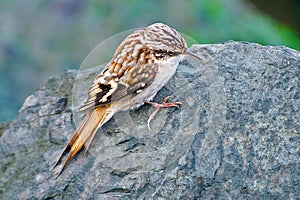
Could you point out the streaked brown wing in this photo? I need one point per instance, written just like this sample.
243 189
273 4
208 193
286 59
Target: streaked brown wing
110 86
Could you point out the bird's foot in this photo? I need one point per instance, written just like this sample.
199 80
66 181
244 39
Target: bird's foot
158 106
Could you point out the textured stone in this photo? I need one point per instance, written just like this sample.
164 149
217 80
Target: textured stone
237 134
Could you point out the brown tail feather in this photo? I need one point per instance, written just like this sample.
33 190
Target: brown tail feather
85 133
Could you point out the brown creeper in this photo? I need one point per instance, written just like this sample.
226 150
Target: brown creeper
143 63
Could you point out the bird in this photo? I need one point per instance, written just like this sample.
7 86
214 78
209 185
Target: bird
142 64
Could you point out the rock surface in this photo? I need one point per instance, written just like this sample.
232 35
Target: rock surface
237 134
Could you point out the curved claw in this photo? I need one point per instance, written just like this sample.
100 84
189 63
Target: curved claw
158 106
152 117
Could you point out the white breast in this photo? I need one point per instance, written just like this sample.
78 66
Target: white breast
165 72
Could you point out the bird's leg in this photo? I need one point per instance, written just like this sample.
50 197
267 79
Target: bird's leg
158 106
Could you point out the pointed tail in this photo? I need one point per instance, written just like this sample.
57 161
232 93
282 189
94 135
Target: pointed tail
85 133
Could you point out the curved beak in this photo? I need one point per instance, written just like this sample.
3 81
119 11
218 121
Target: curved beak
188 53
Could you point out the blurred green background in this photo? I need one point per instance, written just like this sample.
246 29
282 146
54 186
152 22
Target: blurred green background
40 38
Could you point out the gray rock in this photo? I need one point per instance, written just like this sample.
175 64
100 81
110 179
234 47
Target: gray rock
237 134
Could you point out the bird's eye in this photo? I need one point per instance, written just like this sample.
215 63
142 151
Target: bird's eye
171 53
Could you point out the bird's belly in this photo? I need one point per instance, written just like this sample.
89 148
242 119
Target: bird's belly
164 74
